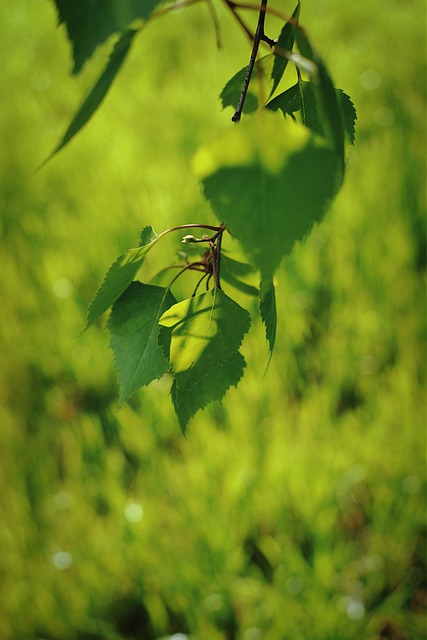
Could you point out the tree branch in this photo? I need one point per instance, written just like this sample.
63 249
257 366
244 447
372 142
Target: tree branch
259 37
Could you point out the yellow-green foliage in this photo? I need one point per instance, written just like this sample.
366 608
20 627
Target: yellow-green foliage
295 509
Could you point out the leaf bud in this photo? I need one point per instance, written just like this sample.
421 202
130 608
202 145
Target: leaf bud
188 239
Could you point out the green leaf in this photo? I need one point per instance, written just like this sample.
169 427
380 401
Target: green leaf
89 23
268 180
201 334
231 92
267 305
236 267
148 235
232 271
119 277
300 100
348 115
325 96
99 90
205 330
207 388
285 42
134 330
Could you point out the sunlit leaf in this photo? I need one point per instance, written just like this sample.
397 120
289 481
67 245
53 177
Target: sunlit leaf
200 335
268 180
119 277
134 330
205 329
89 23
285 42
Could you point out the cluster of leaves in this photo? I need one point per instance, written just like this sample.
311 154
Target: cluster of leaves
268 179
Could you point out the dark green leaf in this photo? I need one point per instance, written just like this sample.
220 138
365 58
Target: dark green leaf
236 267
348 115
267 305
164 340
148 235
118 277
207 388
268 180
99 90
232 271
300 100
134 330
325 96
89 23
285 43
231 92
202 334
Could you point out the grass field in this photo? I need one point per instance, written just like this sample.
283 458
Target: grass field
294 510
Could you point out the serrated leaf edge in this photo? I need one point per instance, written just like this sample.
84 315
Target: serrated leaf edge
122 399
89 320
207 373
211 311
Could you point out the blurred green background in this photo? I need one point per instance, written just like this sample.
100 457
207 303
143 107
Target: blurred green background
295 509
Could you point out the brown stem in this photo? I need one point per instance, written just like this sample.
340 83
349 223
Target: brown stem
191 226
255 7
216 24
178 5
187 268
259 37
217 262
232 6
199 283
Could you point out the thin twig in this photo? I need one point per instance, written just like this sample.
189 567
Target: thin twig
259 37
205 238
213 262
232 6
191 266
187 268
181 227
198 284
255 7
216 23
217 262
174 7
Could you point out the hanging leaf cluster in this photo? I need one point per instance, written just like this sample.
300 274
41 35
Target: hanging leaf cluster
269 177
